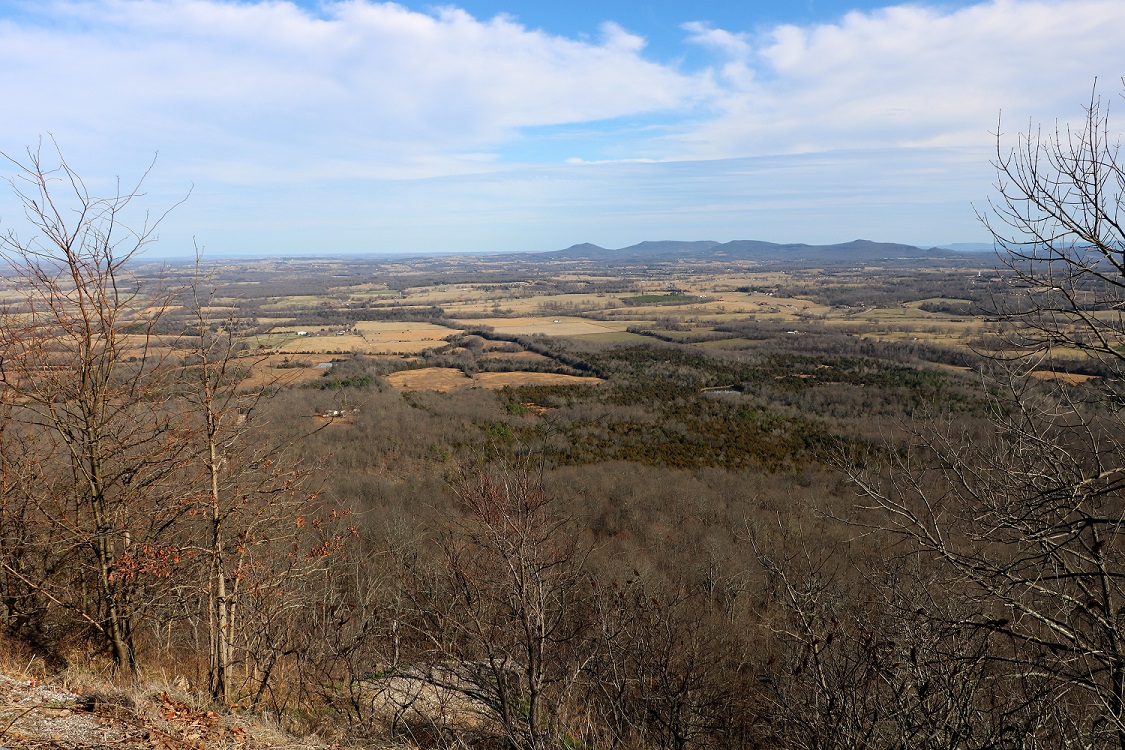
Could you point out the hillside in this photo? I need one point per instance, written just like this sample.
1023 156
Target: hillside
57 713
855 251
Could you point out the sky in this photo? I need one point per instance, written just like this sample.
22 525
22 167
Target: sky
331 127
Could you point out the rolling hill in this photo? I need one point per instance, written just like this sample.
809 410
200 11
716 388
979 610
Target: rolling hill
671 250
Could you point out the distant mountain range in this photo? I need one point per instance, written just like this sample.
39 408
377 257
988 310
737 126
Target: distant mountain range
669 250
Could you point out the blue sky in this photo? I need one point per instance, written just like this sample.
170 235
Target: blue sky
657 21
320 127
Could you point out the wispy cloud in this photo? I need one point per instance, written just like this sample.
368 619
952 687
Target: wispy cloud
907 76
268 88
288 119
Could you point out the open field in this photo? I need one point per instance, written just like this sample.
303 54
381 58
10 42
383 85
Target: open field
372 329
534 304
365 337
441 379
524 356
613 337
501 379
445 379
560 326
279 370
1069 378
416 311
325 344
294 301
538 317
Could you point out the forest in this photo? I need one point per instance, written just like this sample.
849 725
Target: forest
478 505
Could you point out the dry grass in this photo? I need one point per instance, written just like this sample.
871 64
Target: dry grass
324 344
267 372
441 379
367 337
717 302
523 356
500 379
557 326
295 301
401 338
523 306
616 337
445 379
320 421
88 705
1069 378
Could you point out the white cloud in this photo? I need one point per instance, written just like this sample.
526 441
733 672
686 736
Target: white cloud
256 90
735 45
735 73
371 116
911 75
259 85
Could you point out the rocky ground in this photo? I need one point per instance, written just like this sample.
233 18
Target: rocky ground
35 714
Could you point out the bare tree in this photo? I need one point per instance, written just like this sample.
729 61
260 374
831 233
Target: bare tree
668 673
1025 516
507 621
266 532
216 397
1059 227
82 362
882 660
29 551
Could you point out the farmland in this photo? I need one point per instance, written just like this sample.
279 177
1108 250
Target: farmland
447 379
673 446
410 313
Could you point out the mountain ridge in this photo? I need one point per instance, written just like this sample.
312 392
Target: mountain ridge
667 250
